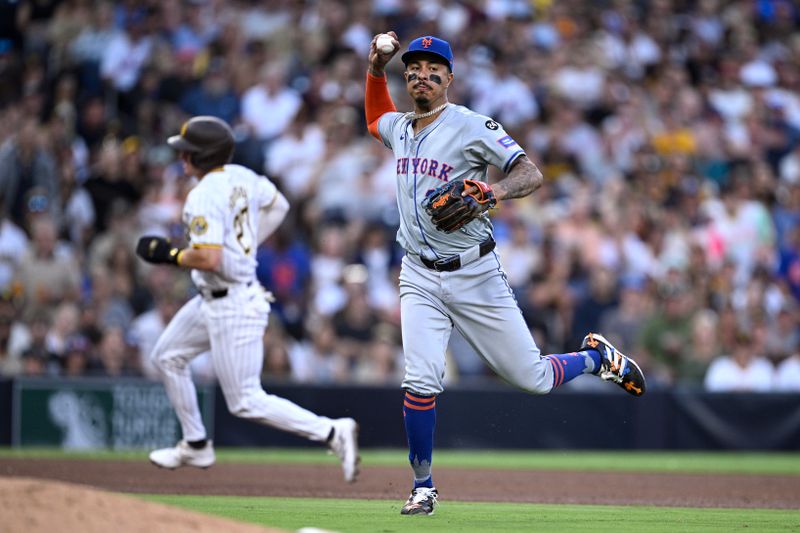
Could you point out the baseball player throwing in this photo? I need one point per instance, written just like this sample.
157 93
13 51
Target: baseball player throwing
451 276
227 214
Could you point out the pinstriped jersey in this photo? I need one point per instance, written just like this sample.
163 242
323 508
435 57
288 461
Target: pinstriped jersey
460 144
222 211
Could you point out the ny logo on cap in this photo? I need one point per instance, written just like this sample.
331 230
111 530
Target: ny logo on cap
426 42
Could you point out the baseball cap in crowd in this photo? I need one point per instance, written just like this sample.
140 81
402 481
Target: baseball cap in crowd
429 45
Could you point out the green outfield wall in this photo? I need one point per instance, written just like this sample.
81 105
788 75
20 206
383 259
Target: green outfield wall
132 414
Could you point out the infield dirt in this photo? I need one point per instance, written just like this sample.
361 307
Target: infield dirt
324 481
42 506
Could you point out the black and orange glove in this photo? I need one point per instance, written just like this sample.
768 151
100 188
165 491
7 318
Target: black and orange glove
450 209
157 250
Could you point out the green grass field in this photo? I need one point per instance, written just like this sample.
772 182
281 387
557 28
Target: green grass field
635 461
382 516
371 516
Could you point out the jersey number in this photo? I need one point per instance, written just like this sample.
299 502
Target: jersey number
241 223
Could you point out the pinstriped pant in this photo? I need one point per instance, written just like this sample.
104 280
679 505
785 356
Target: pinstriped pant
232 328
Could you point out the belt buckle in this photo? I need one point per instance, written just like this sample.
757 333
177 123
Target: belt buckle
443 265
438 264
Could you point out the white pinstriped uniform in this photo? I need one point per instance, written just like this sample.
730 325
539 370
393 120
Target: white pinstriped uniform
222 212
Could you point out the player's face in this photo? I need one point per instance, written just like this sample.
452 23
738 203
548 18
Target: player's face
427 81
188 168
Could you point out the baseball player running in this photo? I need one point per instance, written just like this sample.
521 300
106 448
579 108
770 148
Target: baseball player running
450 275
227 214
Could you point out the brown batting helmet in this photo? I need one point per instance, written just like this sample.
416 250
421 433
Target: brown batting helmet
208 141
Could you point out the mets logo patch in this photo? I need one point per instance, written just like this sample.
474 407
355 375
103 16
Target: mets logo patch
507 141
439 202
198 225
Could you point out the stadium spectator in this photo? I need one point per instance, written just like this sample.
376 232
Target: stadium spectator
277 364
742 370
76 356
787 375
148 326
213 96
126 55
28 175
13 244
113 358
316 359
783 335
269 107
14 337
668 134
521 255
48 272
296 155
37 359
87 49
381 362
284 266
627 319
665 336
64 325
704 347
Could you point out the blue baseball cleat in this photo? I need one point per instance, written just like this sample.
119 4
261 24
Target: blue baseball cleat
616 366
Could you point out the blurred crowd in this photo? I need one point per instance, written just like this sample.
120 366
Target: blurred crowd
668 132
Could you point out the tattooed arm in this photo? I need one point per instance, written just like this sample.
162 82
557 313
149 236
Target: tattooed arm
523 178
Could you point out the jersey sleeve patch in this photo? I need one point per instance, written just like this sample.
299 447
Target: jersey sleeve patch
198 225
507 141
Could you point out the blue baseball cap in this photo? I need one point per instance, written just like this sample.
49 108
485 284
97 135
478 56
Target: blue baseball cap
429 45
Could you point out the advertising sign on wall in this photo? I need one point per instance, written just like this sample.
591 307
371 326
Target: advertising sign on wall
95 414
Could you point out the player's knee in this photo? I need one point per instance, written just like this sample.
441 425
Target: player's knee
533 383
536 385
158 361
538 388
241 408
166 362
240 411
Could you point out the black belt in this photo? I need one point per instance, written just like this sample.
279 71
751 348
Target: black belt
221 293
454 263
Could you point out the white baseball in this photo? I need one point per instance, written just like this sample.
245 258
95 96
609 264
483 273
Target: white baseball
384 44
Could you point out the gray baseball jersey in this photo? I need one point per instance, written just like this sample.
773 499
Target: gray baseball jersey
460 144
475 298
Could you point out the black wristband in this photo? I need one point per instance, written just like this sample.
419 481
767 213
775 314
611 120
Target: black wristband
175 255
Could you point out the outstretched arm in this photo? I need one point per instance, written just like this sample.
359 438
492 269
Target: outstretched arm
523 178
377 99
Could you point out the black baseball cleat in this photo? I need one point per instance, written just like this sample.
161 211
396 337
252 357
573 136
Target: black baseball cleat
616 366
423 500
